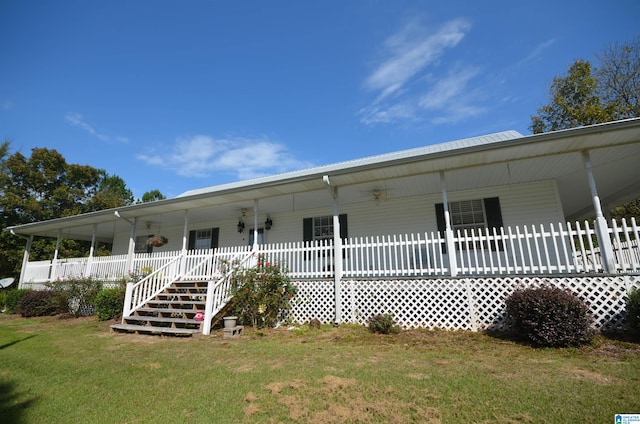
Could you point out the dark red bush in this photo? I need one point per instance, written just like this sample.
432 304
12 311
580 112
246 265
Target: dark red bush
549 316
38 303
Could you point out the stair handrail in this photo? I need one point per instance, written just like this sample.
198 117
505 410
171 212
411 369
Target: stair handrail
219 292
138 294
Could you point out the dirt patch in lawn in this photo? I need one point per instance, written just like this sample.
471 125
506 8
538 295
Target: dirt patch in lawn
336 400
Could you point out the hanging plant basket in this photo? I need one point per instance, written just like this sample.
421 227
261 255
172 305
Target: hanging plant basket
157 241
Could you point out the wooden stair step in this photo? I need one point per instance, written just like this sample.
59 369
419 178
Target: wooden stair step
198 288
175 302
179 295
132 328
161 319
168 310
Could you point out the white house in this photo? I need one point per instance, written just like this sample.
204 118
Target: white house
437 235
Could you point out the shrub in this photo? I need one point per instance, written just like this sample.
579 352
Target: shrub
12 300
109 303
383 324
549 316
39 303
633 311
77 295
262 294
3 300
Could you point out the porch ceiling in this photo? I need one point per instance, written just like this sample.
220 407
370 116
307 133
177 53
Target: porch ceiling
614 149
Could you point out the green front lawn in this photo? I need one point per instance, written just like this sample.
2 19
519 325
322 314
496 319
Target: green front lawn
75 371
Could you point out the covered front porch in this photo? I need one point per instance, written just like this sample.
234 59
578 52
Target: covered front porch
563 248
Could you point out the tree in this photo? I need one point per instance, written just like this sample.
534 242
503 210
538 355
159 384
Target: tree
587 95
619 78
152 196
44 186
574 102
111 192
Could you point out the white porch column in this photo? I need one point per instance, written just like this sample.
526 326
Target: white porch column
448 232
25 260
87 271
337 249
132 244
255 225
602 230
337 256
54 263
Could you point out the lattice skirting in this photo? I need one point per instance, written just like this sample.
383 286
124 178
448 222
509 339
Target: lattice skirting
453 303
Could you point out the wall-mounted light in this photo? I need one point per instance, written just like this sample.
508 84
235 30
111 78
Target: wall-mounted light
240 226
268 223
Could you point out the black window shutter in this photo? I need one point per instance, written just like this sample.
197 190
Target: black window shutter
307 229
440 218
442 226
344 233
494 218
494 214
215 235
192 239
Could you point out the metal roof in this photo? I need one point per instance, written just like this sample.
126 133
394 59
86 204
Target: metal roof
505 157
377 160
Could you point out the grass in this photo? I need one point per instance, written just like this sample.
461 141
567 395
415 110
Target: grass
75 371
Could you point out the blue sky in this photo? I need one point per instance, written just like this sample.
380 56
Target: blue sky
177 95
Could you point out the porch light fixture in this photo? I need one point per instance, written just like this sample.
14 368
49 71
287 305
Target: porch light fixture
268 223
240 226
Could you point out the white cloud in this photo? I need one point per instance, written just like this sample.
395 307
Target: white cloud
77 120
407 83
201 156
536 53
410 51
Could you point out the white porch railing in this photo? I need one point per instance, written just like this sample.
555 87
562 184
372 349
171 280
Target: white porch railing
196 265
139 293
528 250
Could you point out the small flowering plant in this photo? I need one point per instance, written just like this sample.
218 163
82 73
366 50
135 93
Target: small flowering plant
262 294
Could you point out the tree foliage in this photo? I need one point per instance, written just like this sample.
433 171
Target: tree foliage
44 186
574 102
152 196
619 78
587 96
591 95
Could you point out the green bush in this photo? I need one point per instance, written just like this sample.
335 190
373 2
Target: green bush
262 294
383 324
549 317
109 303
39 303
3 300
12 300
633 311
77 295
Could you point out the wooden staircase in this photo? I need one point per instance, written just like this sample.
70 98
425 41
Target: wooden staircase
172 312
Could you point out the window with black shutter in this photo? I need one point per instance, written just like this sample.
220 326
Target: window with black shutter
472 215
206 238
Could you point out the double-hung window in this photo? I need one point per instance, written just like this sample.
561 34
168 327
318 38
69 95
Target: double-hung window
472 215
204 238
142 246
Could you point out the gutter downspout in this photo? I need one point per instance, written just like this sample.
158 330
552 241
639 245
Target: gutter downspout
185 241
255 226
25 256
54 263
602 230
132 240
87 271
448 232
337 250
